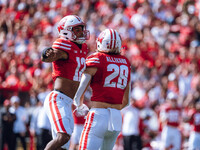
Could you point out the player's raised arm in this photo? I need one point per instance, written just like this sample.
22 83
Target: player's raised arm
67 54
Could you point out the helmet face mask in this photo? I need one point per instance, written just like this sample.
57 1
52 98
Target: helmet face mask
109 41
66 26
80 33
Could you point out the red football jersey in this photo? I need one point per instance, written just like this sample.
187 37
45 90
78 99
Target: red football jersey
112 77
195 121
173 116
73 67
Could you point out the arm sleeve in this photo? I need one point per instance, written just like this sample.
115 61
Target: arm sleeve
85 79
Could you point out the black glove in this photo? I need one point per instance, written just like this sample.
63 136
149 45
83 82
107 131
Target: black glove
44 52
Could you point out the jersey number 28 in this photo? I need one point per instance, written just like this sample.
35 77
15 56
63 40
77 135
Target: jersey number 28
118 71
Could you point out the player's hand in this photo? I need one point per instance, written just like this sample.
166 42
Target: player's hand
50 54
47 52
82 110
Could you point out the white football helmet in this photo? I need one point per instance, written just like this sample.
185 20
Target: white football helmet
109 41
66 25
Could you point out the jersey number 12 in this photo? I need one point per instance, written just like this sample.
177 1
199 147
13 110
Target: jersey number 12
79 69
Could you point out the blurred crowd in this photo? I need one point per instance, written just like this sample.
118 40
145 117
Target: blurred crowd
161 38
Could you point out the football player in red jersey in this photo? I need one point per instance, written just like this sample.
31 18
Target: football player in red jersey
171 117
67 54
108 74
194 119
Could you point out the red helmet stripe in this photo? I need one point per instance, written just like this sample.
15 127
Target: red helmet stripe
111 38
79 19
115 38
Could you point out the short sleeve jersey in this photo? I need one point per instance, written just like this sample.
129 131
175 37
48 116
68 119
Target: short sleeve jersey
173 116
73 67
111 79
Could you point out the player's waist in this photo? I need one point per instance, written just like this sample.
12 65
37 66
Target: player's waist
63 96
172 125
59 91
97 104
65 75
66 86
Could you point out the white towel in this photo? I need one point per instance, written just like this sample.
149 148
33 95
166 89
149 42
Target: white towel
115 120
